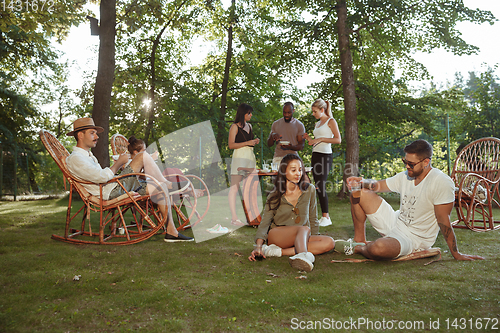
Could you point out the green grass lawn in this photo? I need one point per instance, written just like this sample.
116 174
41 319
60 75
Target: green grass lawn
211 286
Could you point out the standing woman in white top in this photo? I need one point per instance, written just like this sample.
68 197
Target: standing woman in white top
326 132
241 139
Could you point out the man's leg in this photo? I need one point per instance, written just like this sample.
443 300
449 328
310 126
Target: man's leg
385 248
369 202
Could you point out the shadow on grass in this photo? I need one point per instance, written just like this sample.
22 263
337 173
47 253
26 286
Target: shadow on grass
211 286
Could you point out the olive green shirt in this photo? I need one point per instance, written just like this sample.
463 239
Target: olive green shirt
284 215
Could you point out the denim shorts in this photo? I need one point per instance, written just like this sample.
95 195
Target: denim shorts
131 183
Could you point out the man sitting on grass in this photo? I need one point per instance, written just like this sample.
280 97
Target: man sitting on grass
82 164
427 197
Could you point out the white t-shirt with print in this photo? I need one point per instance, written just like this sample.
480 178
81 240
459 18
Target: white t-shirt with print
416 213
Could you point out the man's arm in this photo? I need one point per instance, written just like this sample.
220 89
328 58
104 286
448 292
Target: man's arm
370 184
273 137
443 213
85 169
299 146
119 162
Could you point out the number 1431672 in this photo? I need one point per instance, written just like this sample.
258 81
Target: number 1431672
27 5
490 324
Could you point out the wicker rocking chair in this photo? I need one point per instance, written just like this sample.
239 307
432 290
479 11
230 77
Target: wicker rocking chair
112 228
476 174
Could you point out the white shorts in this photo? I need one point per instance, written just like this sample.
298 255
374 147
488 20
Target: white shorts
242 157
384 220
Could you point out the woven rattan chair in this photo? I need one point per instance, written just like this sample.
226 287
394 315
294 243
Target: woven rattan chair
112 228
119 144
476 174
188 209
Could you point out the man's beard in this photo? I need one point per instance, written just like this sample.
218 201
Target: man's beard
287 120
415 174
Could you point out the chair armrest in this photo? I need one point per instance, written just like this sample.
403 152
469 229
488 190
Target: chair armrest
476 186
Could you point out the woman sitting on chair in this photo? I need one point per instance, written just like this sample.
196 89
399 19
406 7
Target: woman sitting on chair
290 218
137 146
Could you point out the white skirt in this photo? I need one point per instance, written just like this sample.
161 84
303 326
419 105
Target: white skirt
242 157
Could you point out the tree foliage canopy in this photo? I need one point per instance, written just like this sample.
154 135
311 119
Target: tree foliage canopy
157 90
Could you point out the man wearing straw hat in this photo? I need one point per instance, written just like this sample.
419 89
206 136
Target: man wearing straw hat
84 165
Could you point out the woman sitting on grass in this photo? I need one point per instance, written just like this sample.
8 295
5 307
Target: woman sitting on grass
289 219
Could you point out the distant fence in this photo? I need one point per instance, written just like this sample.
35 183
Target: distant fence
14 173
28 173
22 173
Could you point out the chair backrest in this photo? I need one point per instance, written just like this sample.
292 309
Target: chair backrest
119 144
481 157
59 153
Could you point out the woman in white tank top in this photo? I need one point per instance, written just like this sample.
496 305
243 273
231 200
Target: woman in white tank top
326 132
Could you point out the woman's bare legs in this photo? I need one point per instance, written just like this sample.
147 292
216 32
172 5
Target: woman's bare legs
144 160
297 239
233 191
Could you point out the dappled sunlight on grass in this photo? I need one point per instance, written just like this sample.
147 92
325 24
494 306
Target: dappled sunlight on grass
22 214
211 286
31 207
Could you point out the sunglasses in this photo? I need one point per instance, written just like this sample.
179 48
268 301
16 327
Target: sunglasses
296 211
412 164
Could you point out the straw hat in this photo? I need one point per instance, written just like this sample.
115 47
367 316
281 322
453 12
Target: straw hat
83 124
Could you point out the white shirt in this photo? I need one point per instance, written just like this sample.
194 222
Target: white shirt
416 212
323 131
84 165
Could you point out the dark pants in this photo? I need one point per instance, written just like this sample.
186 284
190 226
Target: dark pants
321 166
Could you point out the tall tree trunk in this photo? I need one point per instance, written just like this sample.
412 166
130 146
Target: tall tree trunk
152 94
152 109
105 78
351 123
225 82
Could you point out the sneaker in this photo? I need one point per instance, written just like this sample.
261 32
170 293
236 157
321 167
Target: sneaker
180 238
301 262
325 222
272 250
346 247
218 229
310 257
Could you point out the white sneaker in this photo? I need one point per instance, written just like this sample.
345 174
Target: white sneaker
218 229
346 247
325 222
310 257
301 262
272 250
